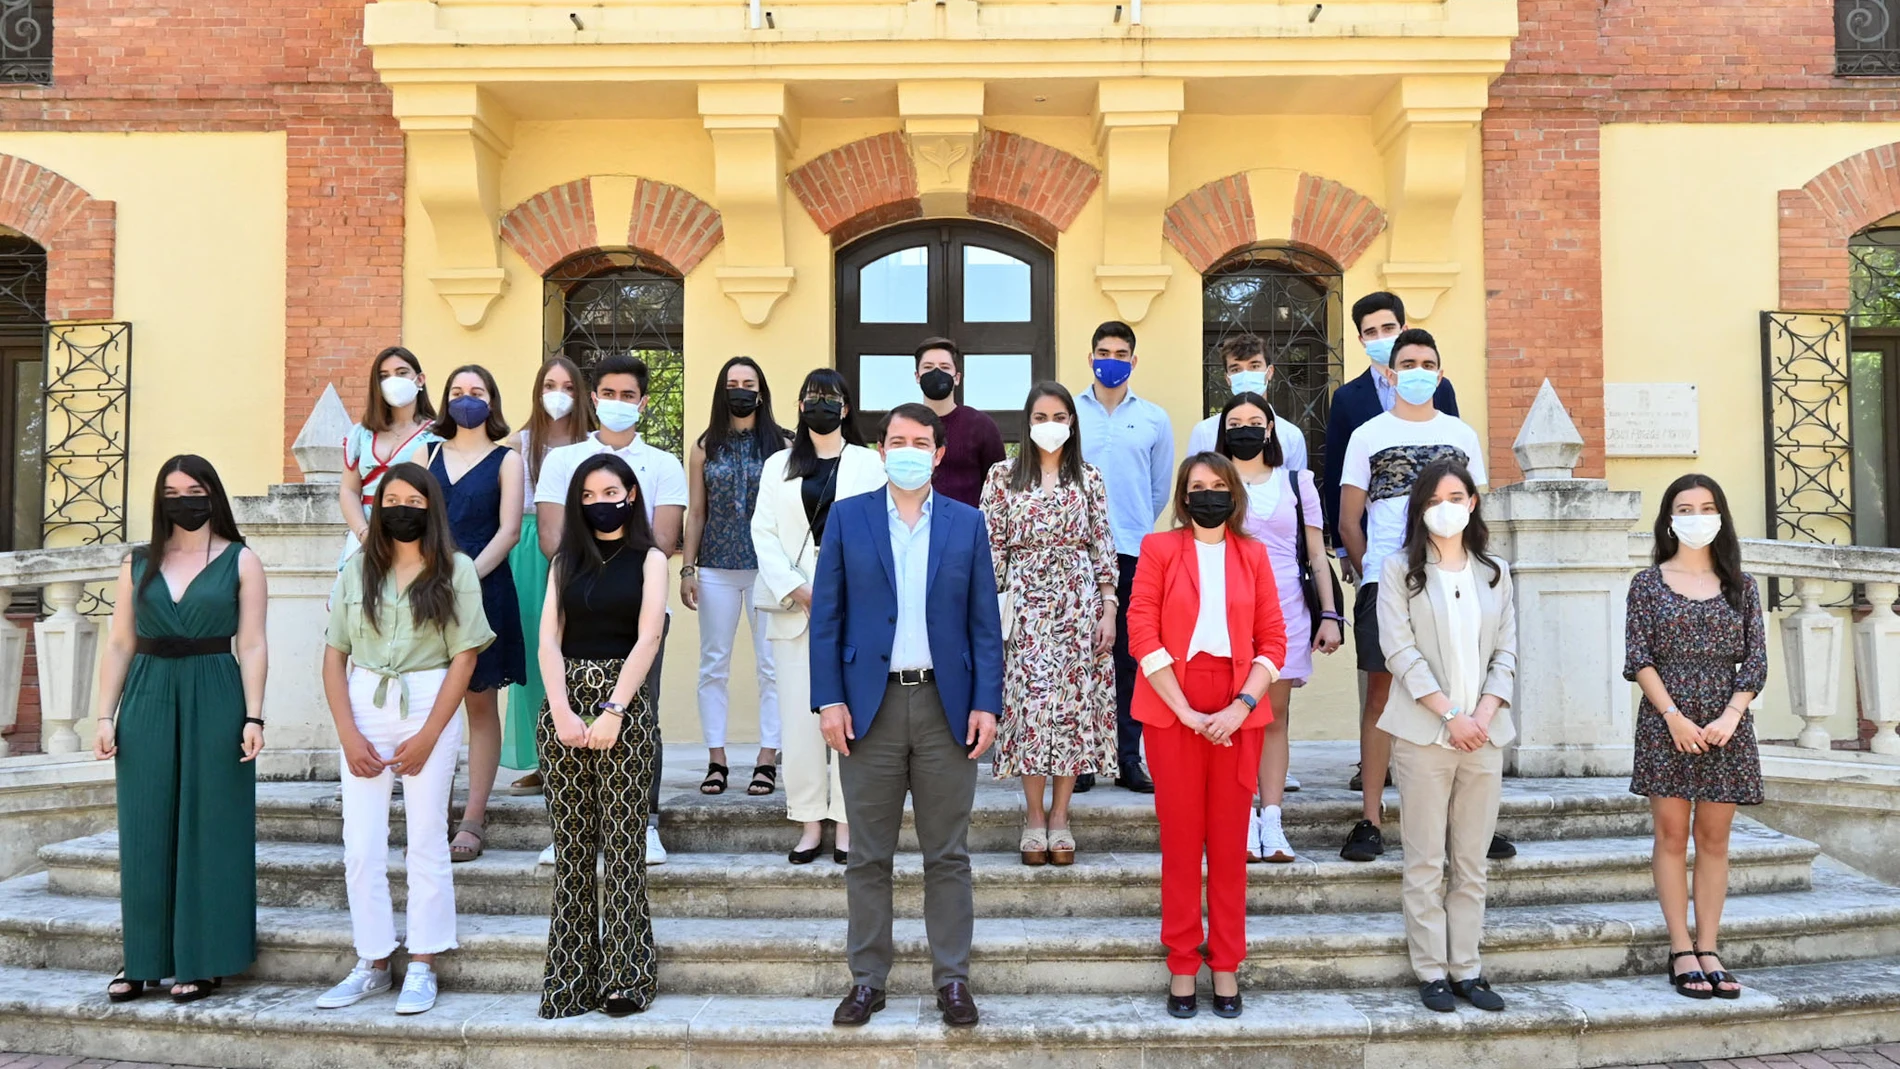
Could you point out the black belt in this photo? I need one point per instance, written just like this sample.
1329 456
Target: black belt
176 648
914 677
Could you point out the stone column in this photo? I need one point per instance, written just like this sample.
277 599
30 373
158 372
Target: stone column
297 532
1877 667
1567 541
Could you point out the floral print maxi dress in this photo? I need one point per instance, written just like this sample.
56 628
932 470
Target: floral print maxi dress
1705 651
1053 552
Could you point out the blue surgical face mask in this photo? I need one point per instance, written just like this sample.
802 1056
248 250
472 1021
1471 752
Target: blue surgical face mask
617 415
1112 373
1379 350
1417 384
909 468
1248 382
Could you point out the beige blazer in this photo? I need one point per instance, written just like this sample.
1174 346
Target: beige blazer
787 557
1412 631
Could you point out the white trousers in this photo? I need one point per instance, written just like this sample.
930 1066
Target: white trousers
1448 811
725 594
425 803
808 767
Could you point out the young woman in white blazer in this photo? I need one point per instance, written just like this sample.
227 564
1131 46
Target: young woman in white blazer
827 461
1448 628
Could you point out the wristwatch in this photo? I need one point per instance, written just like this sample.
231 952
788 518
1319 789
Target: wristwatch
615 708
1247 700
687 571
1450 714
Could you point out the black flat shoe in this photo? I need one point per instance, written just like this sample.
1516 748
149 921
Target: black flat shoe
1477 991
1437 996
1084 783
1719 976
804 857
1681 980
1227 1005
1137 781
196 989
1183 1006
842 857
764 780
857 1007
1501 848
621 1006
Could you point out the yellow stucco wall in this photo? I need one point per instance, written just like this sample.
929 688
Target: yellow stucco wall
199 273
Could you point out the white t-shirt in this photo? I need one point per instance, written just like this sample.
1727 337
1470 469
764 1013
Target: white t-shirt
1384 458
662 479
1292 442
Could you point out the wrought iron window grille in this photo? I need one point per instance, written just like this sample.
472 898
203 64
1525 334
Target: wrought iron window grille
1867 38
604 303
1290 298
26 42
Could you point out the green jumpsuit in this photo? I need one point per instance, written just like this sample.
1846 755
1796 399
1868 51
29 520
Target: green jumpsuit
187 806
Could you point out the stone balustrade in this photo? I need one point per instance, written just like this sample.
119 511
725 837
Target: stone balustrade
65 643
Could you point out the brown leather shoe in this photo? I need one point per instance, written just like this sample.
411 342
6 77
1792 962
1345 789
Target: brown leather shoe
957 1004
858 1006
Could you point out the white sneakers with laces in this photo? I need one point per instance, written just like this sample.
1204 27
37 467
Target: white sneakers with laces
364 980
656 854
418 990
1270 843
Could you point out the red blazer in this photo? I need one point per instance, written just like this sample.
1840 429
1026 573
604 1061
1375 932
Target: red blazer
1166 600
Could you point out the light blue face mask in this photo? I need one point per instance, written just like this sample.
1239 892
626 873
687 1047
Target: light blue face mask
909 468
617 415
1379 350
1417 385
1248 382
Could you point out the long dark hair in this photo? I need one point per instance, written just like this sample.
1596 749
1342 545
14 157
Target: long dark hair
497 427
377 415
577 560
1025 472
540 423
1272 456
804 459
1221 466
1477 536
432 595
770 435
1725 552
223 525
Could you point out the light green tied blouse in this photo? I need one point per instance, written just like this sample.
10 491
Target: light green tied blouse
396 646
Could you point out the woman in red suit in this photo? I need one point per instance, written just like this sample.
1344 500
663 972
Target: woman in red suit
1204 623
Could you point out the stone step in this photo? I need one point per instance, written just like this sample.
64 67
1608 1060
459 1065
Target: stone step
1551 1025
1098 884
1844 915
1111 818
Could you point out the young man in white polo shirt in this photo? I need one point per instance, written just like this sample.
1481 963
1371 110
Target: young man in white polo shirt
1250 370
620 398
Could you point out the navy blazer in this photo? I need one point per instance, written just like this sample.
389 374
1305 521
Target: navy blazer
1354 404
854 611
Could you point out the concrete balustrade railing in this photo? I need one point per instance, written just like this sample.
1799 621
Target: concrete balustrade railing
65 643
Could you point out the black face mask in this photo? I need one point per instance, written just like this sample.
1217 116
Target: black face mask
607 517
1209 508
937 383
823 417
740 402
189 513
1246 443
405 523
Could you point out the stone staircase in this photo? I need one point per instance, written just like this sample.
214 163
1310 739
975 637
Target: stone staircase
1067 962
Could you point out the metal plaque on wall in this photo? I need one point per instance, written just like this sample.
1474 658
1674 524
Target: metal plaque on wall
1650 419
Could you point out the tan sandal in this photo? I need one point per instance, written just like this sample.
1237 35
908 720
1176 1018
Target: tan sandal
1061 846
526 786
1035 846
463 853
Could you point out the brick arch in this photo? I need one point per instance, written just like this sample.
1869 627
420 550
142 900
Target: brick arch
667 223
77 230
1023 183
857 188
1216 220
1820 218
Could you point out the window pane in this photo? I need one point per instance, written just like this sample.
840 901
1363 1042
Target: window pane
995 287
29 440
886 381
996 380
1867 385
895 289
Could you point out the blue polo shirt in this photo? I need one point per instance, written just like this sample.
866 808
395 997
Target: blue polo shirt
1133 448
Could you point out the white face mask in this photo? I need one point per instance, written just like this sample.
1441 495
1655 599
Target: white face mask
1448 518
556 404
1696 531
400 392
1049 436
617 415
1248 382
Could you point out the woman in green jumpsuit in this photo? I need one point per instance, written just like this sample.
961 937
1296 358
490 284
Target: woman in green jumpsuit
184 719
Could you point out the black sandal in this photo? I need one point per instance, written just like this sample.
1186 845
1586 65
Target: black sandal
1682 980
133 988
621 1004
764 780
1718 976
196 989
715 781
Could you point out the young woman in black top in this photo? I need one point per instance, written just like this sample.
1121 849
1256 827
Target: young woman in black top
598 741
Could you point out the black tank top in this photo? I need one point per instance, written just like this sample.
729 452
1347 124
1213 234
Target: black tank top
601 611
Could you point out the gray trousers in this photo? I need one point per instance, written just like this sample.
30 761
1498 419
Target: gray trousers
909 749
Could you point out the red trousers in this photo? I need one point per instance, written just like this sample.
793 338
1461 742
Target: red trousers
1203 795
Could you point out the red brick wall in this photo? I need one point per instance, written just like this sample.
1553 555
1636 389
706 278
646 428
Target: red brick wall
24 736
857 188
1036 188
1574 67
148 65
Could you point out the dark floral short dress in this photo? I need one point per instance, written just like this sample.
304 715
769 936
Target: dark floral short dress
1705 651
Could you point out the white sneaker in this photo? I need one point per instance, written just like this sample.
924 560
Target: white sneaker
1291 783
364 980
1253 836
1273 844
418 990
656 854
547 856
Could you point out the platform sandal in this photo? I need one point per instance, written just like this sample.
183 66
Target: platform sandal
133 988
1682 980
764 780
1719 976
196 989
715 781
1035 846
463 853
1061 846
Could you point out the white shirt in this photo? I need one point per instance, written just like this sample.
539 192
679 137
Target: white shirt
910 557
1466 619
1384 458
662 479
1210 624
1292 441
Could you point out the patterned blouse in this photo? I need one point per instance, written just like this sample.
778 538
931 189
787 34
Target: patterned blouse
732 486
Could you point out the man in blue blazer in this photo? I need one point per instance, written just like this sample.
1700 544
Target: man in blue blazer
907 676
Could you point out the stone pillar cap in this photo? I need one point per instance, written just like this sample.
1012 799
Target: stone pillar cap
319 446
1548 445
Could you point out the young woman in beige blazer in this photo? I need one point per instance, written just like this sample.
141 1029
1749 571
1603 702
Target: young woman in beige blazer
1448 628
827 461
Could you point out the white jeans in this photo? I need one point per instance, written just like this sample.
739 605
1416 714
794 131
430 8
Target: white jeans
425 803
724 595
809 767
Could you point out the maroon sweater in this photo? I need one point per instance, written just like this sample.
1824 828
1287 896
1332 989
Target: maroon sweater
972 443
